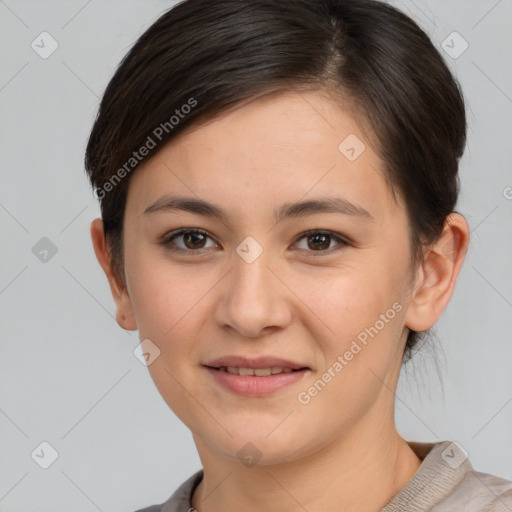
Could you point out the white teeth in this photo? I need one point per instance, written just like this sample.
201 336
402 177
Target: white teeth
260 372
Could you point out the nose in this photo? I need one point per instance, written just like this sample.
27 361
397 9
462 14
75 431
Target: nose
254 302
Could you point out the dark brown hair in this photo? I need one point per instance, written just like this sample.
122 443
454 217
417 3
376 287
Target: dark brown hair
202 58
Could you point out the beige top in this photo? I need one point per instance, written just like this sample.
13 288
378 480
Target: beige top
445 482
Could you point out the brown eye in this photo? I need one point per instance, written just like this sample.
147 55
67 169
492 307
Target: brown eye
320 241
194 240
191 240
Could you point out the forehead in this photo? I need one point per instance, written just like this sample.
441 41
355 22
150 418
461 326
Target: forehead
274 149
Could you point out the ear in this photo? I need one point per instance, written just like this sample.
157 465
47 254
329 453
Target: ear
124 310
436 276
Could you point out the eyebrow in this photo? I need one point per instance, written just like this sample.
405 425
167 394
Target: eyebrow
285 211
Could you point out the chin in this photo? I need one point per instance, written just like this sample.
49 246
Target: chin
255 446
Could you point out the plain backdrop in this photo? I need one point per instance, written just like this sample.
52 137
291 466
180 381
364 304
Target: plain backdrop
68 375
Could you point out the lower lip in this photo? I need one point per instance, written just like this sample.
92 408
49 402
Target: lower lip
252 385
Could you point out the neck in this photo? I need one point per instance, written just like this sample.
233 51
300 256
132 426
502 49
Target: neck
362 470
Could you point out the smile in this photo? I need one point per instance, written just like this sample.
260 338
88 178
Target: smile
260 372
255 382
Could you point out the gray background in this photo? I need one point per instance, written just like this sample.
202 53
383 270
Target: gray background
67 372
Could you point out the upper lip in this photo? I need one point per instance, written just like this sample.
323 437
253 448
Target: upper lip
259 362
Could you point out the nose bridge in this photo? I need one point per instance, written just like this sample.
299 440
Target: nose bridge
254 299
252 277
250 266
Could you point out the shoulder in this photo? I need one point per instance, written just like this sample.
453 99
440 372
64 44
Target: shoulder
180 500
447 482
479 492
460 486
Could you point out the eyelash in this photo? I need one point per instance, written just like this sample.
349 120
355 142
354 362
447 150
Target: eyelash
167 242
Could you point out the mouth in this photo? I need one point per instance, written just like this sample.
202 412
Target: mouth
274 364
255 377
258 372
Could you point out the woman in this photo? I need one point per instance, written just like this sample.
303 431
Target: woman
277 184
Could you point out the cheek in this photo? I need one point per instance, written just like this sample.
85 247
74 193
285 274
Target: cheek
361 321
347 299
165 296
366 319
169 311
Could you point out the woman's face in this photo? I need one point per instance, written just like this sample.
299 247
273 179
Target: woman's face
255 285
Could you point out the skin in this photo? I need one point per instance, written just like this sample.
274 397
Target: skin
341 451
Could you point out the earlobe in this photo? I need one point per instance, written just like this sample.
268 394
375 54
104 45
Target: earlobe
438 274
124 309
